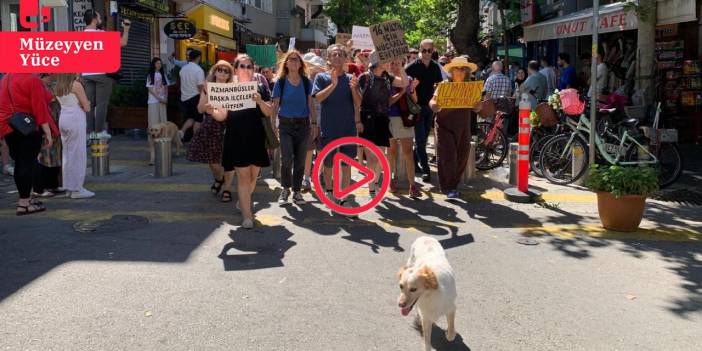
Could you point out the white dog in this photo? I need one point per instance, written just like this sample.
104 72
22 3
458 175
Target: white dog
428 282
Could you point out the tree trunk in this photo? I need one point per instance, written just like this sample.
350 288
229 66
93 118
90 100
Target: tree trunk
464 35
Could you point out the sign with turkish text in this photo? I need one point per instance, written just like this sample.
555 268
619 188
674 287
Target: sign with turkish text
180 29
459 94
79 8
361 38
389 40
232 96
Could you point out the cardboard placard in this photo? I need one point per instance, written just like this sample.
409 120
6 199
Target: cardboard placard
361 38
389 40
343 38
459 94
232 96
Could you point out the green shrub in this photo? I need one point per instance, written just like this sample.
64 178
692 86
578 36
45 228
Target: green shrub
621 181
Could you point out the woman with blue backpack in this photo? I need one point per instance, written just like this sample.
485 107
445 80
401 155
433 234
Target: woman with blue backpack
297 122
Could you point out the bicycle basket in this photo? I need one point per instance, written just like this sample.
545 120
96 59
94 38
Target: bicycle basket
505 105
570 100
547 116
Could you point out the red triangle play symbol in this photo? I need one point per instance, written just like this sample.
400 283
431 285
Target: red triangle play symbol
368 175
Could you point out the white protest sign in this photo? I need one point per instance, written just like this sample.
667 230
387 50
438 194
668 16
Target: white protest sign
232 96
292 44
389 40
361 37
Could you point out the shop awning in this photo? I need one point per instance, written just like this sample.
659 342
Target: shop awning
675 11
613 18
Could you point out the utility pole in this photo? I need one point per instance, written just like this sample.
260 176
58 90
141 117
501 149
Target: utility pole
593 79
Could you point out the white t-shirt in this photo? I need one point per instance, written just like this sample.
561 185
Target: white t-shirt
92 30
602 76
160 89
191 75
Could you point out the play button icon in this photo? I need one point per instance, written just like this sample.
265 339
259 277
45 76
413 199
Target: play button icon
340 160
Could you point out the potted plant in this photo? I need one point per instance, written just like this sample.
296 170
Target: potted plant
128 109
621 194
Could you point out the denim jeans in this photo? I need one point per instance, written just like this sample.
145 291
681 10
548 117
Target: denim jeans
421 134
293 150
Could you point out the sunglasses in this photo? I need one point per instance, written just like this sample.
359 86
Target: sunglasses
427 51
245 66
223 70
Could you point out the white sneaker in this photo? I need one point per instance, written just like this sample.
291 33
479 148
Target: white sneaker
298 199
9 170
247 224
104 135
82 194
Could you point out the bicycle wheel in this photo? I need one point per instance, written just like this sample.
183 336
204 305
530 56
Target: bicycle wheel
490 155
670 162
535 154
567 169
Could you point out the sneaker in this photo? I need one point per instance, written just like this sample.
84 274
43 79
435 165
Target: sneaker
347 204
82 194
298 199
248 223
46 193
104 135
9 170
426 177
306 185
283 198
432 160
414 192
453 194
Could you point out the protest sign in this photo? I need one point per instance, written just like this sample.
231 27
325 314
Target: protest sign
232 96
389 40
459 94
263 55
342 38
361 38
292 44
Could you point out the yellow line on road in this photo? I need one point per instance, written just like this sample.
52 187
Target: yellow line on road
653 234
492 195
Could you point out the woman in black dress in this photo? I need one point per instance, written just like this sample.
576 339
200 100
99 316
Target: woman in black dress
245 139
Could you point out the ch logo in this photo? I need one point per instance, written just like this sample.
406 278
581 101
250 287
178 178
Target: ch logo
30 8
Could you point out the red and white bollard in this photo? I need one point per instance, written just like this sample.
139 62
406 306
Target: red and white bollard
521 193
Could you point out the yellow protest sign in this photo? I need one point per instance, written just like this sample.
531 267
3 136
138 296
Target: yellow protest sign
459 94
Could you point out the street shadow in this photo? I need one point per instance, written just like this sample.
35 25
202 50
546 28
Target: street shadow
372 235
263 247
427 207
402 217
456 241
438 338
313 218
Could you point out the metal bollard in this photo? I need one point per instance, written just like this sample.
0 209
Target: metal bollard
163 163
100 157
513 149
578 156
469 172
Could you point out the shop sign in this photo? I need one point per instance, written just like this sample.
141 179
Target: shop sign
220 22
79 8
180 29
134 14
668 30
581 25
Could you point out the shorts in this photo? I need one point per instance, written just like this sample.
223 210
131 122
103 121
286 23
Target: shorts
347 149
398 130
190 109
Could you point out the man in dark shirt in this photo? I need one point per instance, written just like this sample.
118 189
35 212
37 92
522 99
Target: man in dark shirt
568 78
428 73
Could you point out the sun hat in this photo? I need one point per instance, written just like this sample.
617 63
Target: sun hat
460 61
223 63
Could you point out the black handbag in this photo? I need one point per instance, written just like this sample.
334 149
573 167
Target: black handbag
21 122
412 106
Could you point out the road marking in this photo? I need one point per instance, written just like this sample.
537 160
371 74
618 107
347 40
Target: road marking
596 231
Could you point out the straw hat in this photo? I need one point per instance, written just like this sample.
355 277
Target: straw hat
223 63
460 61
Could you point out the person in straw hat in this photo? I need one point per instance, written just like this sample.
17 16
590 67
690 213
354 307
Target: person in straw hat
453 131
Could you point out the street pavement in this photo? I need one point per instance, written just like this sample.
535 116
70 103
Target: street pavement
160 264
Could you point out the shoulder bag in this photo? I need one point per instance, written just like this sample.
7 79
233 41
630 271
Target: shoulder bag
21 122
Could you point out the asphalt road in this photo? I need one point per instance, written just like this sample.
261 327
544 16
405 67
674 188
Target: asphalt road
173 271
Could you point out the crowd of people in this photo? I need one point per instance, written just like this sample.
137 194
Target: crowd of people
308 101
